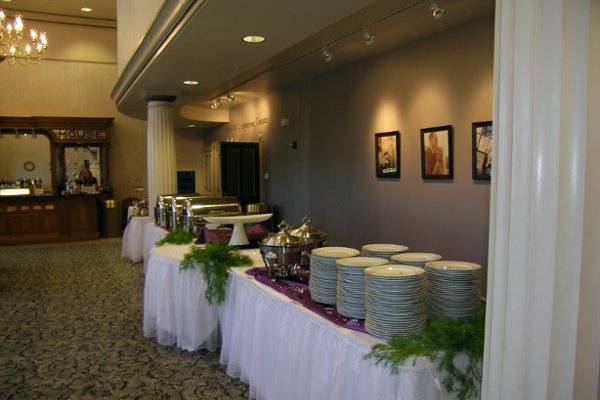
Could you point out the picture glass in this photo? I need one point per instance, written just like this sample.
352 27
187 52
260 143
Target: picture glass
387 155
437 153
482 150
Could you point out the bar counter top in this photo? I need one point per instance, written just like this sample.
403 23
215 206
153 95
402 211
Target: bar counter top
45 195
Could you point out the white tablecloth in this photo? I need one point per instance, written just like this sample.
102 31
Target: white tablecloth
152 234
175 310
133 238
282 350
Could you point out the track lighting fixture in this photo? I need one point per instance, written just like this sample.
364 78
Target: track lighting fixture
230 97
216 103
369 39
328 55
437 11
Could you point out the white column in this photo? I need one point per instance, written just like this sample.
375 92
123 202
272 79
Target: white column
162 173
538 188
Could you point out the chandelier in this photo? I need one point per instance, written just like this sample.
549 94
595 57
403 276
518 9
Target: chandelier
15 47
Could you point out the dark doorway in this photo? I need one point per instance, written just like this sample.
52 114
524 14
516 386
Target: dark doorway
240 171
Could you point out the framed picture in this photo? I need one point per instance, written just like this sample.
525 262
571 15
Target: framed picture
436 153
387 154
482 150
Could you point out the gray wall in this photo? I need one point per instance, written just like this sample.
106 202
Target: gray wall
445 79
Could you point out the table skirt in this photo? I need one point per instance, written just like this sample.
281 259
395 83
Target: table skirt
133 238
175 310
152 234
284 351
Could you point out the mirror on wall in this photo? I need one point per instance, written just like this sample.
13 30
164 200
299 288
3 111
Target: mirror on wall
26 156
78 158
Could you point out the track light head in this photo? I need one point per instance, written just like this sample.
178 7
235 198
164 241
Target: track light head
328 55
437 11
369 39
230 97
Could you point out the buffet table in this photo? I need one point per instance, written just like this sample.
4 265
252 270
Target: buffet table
282 350
133 238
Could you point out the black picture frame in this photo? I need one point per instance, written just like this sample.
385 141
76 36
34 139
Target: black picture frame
482 143
430 168
390 166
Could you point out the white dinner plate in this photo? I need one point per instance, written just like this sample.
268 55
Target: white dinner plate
453 265
335 252
416 257
394 271
384 248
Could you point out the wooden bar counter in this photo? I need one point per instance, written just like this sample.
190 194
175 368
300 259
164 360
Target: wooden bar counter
48 218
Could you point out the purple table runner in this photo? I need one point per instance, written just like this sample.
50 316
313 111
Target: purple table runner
301 293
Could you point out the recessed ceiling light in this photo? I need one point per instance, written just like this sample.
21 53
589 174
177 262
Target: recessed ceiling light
86 9
191 83
7 1
253 39
191 126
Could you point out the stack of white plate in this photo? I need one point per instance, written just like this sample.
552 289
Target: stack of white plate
453 289
395 300
382 250
323 272
351 284
416 259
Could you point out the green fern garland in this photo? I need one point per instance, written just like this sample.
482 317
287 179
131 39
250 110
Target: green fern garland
443 339
177 236
214 261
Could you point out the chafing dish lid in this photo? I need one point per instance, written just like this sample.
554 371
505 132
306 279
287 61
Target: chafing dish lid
283 238
307 232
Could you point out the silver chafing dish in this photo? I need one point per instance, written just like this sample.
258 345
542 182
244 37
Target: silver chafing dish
168 208
314 237
285 255
175 209
196 209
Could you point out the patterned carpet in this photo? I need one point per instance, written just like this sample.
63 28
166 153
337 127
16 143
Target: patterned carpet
70 328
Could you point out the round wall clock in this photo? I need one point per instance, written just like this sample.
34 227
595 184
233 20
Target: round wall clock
29 166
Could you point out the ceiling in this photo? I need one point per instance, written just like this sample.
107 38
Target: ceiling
101 9
209 48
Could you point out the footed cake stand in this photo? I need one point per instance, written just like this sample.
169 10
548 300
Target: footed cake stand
238 236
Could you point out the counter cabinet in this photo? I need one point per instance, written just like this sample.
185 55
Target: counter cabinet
48 218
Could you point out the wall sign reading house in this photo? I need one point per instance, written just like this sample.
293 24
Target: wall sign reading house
69 135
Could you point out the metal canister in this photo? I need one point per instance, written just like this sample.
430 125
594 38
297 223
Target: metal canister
160 209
